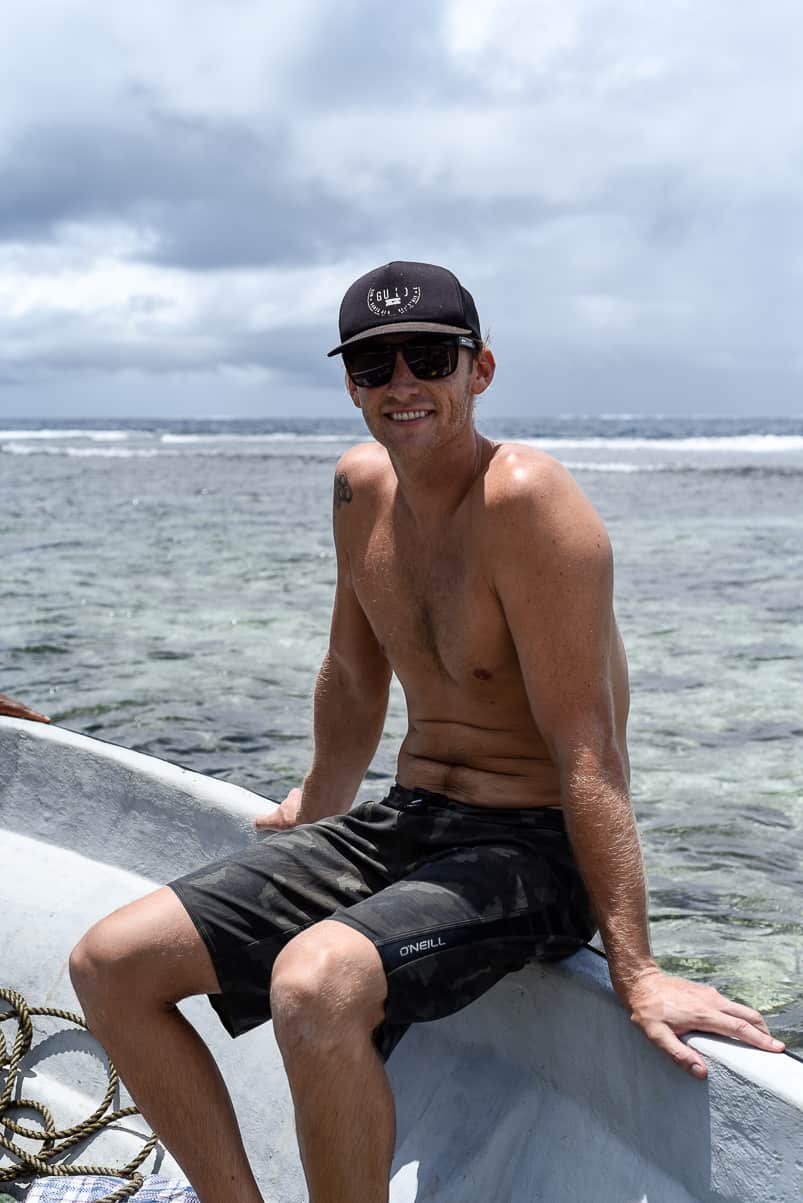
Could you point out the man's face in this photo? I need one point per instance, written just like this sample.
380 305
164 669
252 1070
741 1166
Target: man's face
408 413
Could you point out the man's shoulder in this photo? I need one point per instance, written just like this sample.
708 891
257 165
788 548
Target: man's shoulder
519 474
366 463
528 490
361 476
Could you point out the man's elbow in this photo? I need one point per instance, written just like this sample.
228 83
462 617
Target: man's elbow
594 762
364 676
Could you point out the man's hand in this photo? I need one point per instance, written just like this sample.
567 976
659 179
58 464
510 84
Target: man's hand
285 815
19 710
666 1007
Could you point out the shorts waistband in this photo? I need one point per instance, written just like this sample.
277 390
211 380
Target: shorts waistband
403 798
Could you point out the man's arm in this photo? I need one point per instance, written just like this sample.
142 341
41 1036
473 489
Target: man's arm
557 599
351 691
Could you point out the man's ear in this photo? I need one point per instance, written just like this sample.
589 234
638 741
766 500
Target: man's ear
351 389
483 370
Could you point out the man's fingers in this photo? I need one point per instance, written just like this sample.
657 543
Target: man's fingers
750 1033
744 1028
268 821
34 716
732 1019
285 815
666 1008
20 710
682 1054
747 1013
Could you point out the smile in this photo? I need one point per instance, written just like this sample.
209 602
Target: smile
409 415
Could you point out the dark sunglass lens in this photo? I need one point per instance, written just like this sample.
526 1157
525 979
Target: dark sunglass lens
431 361
427 359
370 368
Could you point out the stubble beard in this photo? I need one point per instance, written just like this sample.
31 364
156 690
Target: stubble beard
464 409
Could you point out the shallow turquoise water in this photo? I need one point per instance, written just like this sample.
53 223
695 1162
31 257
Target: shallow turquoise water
169 588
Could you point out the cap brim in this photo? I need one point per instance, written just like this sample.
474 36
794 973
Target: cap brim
401 328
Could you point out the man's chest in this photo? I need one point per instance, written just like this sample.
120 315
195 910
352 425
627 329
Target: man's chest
432 605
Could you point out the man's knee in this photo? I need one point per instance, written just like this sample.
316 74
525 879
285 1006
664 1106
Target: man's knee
106 960
326 981
146 950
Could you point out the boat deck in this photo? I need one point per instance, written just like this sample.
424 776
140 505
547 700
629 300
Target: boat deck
541 1090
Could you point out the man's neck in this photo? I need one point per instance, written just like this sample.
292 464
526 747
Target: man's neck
432 485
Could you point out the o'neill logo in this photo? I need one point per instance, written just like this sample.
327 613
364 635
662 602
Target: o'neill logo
407 950
392 302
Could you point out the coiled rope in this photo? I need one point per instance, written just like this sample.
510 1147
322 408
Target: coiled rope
55 1142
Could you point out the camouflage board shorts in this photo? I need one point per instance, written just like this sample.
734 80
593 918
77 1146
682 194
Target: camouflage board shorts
453 897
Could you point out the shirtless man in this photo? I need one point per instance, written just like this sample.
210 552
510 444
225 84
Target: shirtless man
482 576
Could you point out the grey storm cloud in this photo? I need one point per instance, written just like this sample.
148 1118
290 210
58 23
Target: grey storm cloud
216 192
617 185
295 351
211 194
221 195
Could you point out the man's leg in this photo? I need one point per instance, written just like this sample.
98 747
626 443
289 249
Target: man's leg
129 971
327 996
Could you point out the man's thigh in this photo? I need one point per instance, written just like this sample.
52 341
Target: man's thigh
150 945
247 907
452 928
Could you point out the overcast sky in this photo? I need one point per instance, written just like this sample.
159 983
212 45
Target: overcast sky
188 186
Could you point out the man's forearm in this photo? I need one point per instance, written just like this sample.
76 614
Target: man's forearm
605 842
348 717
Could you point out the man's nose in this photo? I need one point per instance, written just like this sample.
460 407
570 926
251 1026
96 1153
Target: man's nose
402 377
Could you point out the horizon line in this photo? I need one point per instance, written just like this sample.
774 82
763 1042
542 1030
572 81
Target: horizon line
625 414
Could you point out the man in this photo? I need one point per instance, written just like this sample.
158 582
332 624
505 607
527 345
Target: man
481 575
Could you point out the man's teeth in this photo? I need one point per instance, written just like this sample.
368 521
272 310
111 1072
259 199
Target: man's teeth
409 415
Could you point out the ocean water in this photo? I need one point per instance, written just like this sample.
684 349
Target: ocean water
167 586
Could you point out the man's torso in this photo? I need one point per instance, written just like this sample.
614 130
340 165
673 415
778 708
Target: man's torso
430 599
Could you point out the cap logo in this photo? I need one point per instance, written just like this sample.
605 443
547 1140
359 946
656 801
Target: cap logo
392 302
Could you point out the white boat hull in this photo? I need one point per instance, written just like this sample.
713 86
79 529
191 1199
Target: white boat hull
541 1090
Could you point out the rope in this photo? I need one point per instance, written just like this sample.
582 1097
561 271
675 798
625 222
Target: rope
55 1142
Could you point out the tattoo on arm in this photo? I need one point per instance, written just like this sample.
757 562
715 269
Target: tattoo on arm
343 493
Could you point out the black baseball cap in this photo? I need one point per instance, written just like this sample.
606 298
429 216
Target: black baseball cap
402 298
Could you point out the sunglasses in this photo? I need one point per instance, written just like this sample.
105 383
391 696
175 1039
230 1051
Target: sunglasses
429 358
